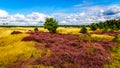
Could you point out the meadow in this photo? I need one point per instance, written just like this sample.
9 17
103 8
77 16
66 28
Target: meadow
68 48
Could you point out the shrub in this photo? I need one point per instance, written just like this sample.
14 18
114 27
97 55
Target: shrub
117 39
16 32
80 38
93 27
111 30
51 24
87 38
83 30
67 52
36 29
96 39
105 30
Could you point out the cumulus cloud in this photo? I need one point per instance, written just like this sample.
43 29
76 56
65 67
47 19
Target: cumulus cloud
34 18
91 14
3 13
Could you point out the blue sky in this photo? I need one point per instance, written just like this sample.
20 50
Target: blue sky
71 12
37 5
48 6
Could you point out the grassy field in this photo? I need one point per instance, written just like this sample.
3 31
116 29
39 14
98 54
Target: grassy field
12 49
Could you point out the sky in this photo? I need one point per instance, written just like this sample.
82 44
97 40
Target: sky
66 12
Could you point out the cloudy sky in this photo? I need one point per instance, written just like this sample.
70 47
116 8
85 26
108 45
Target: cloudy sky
67 12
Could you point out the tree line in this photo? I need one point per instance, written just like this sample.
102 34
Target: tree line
108 25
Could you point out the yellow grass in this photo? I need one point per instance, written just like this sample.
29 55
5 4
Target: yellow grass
68 30
12 49
105 37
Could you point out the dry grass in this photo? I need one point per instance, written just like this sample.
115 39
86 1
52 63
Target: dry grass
104 37
12 49
68 30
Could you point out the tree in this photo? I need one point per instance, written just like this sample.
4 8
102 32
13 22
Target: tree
51 24
83 30
101 25
36 29
93 26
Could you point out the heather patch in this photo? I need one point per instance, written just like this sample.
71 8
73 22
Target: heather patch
67 51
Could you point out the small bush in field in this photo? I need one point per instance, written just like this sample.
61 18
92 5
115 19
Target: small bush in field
83 30
90 50
105 30
36 29
95 39
80 38
111 30
51 24
117 39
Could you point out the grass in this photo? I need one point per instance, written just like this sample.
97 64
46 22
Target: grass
68 30
104 37
115 63
39 66
115 53
12 49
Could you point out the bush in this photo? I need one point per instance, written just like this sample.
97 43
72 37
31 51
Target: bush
51 24
83 30
117 39
16 32
96 39
105 30
93 27
80 38
36 29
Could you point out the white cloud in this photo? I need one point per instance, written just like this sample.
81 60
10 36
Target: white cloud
91 14
3 13
34 18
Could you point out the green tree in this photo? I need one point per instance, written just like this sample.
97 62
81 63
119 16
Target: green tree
83 30
101 25
51 24
93 26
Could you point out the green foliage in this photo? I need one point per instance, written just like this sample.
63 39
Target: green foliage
80 38
36 29
51 24
100 25
93 26
117 39
83 30
90 50
105 30
95 39
110 24
111 30
88 38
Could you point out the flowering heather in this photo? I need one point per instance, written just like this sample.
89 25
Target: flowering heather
68 52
